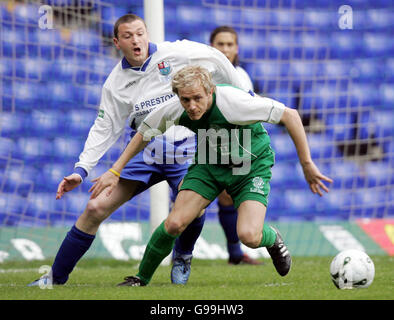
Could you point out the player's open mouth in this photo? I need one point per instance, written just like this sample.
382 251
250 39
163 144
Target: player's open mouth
137 51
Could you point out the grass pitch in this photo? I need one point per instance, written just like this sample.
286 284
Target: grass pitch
96 279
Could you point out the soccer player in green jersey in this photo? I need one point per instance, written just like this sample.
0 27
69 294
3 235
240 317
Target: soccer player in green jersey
233 154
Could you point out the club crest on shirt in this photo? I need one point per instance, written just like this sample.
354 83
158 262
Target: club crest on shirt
258 185
164 68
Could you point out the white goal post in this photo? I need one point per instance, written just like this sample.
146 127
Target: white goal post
159 193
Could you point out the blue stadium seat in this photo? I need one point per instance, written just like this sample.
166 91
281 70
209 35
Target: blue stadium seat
76 202
13 124
346 174
50 176
19 179
34 149
26 95
12 207
63 95
288 18
68 149
109 15
377 44
284 147
368 70
26 13
48 123
79 121
6 67
346 44
337 69
85 42
50 43
380 18
5 14
367 125
34 69
250 43
321 19
304 70
266 69
278 45
301 203
341 126
322 146
384 120
284 95
7 147
311 45
43 205
378 174
321 98
386 90
371 203
364 94
284 176
193 18
388 70
337 202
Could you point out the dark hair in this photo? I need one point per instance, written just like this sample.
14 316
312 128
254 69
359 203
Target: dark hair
130 17
220 29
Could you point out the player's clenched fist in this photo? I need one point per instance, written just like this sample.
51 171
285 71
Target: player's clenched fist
67 184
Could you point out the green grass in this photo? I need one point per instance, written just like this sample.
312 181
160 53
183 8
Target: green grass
210 280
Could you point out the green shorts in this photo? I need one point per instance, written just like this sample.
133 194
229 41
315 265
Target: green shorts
210 180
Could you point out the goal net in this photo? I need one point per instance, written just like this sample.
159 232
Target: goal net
333 63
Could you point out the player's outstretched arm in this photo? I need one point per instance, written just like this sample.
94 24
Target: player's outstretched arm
313 176
67 184
110 179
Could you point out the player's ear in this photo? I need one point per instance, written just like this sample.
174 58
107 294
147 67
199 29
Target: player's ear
116 42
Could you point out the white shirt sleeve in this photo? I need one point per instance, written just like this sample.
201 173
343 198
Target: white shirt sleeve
213 60
160 120
241 108
245 78
105 131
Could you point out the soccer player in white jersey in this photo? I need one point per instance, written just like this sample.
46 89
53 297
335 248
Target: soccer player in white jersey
225 39
138 84
233 154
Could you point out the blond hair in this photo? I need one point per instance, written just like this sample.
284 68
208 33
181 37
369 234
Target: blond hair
192 76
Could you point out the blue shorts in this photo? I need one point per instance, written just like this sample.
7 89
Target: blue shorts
161 160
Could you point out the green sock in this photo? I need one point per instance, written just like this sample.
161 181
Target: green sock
269 236
159 247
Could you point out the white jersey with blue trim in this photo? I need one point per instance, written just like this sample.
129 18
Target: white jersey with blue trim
245 78
132 93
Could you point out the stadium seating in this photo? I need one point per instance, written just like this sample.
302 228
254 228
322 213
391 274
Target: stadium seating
295 52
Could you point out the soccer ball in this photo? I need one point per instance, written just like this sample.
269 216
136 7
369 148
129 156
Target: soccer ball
352 269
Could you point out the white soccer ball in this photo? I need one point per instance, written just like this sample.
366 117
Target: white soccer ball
352 269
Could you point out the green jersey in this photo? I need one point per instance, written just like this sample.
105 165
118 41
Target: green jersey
231 129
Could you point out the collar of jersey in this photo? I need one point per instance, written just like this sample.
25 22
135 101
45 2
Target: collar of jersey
151 50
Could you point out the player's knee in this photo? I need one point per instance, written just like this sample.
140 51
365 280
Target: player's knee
250 238
95 212
175 225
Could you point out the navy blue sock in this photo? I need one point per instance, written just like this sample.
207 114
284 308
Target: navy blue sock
184 244
228 219
73 247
